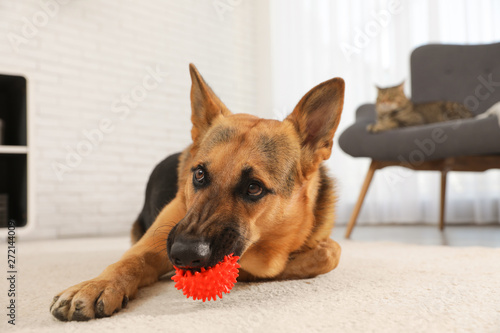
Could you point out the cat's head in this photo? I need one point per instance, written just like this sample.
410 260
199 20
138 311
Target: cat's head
391 98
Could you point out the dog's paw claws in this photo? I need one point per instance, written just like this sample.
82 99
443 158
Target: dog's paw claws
79 316
88 300
99 310
54 300
125 301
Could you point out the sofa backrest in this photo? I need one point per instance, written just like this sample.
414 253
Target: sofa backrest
469 74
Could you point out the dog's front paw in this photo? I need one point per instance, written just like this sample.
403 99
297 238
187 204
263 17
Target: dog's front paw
90 299
320 259
326 255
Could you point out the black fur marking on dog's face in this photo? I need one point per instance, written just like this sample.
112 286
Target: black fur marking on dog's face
218 135
246 180
171 237
226 241
269 146
201 177
281 161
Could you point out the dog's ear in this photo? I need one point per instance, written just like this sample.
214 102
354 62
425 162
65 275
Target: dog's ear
205 105
316 118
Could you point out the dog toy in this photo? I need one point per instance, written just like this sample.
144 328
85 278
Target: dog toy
208 283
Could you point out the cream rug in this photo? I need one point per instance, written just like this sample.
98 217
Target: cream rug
378 287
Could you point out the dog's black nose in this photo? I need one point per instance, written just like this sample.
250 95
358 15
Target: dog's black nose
189 253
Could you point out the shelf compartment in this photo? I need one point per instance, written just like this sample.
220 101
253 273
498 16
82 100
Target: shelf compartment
13 189
13 110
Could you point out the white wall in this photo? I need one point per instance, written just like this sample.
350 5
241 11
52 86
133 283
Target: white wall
81 59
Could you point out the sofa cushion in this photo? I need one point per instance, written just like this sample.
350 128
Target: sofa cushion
418 143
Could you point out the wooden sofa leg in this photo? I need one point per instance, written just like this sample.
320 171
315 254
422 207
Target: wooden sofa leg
361 198
443 200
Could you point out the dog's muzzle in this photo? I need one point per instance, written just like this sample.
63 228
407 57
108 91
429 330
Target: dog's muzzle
194 250
190 253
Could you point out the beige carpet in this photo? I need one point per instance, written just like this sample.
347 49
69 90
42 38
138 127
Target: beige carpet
378 287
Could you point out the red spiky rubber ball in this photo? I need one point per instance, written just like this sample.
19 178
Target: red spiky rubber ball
208 283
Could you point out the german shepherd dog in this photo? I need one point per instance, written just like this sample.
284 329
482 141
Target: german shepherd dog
249 186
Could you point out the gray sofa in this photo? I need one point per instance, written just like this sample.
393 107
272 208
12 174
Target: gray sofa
469 74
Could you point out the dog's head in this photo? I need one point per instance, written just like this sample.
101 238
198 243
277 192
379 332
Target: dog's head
247 174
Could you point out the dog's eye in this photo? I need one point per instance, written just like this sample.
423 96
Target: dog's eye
199 175
254 189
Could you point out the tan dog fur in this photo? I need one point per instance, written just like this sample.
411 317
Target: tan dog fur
286 233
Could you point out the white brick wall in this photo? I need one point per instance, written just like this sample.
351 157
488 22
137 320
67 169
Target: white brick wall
83 57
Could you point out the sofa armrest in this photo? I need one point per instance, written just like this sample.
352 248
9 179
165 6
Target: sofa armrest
366 111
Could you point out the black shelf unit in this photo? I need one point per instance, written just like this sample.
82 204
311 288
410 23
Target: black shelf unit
13 151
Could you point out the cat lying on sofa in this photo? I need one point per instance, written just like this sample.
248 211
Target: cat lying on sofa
395 110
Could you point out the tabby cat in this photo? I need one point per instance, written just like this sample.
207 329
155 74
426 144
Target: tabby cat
395 110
